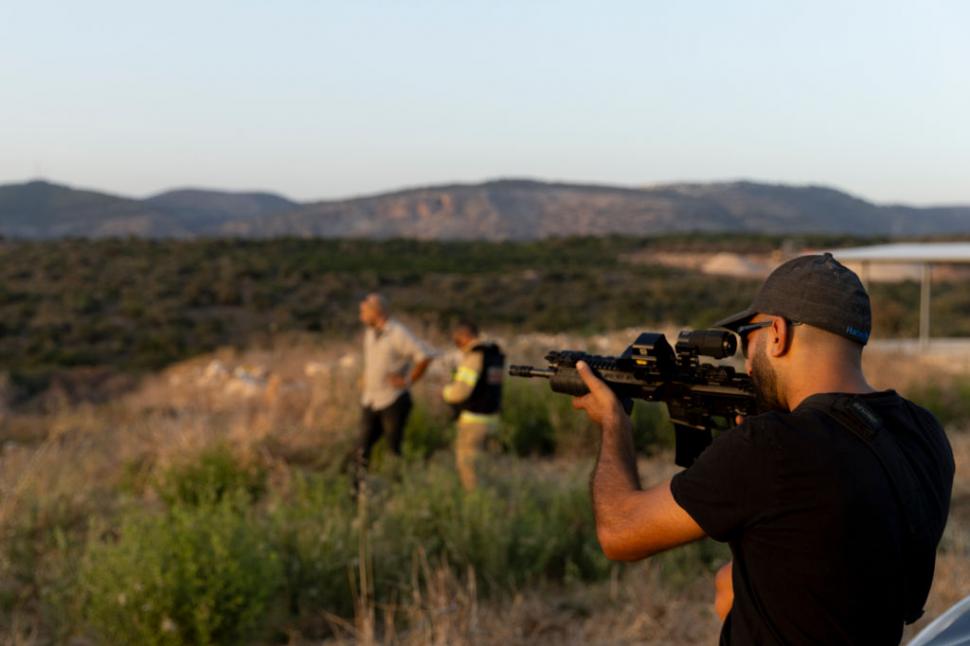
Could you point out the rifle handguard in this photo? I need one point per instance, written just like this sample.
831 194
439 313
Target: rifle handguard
701 398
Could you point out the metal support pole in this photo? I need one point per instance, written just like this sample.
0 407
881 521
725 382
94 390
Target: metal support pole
924 307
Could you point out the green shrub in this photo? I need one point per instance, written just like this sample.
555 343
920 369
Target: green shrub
517 529
574 433
41 542
652 430
137 306
195 575
526 424
221 569
209 477
428 430
314 533
555 530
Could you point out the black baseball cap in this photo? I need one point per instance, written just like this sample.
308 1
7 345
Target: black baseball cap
816 290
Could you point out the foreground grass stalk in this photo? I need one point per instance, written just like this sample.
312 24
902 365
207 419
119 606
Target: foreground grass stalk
364 602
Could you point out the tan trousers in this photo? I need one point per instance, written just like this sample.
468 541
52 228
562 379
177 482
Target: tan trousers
470 445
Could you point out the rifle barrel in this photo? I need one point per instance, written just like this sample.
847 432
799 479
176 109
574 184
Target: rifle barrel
530 371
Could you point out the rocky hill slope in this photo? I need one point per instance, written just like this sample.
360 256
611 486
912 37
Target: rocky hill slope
495 210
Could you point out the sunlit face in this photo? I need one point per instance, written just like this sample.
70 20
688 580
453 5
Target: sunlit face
461 338
368 314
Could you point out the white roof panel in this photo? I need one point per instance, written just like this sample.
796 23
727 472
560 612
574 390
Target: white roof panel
940 252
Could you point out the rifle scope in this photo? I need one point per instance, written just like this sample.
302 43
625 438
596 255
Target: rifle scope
716 344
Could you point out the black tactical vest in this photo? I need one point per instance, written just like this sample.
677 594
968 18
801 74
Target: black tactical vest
486 397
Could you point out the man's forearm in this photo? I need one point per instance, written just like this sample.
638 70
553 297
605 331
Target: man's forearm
419 369
631 523
615 473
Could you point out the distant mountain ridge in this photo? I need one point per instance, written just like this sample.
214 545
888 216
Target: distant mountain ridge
197 207
505 209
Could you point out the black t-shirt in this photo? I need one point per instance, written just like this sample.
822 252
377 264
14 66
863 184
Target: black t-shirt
813 521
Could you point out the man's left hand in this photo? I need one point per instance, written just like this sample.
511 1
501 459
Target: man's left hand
601 404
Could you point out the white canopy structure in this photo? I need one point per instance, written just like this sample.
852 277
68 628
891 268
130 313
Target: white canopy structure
923 254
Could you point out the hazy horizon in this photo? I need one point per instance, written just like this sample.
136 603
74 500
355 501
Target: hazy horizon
395 189
325 100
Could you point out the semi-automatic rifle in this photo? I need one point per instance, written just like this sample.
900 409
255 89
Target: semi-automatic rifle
702 398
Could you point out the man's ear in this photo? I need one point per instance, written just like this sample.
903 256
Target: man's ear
777 344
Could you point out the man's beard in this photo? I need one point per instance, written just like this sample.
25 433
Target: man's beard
765 381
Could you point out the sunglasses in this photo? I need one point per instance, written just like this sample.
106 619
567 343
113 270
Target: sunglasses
744 330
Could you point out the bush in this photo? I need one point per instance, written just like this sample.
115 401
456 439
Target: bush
526 424
138 306
195 575
41 539
209 477
427 431
515 529
314 533
575 434
220 566
652 430
518 530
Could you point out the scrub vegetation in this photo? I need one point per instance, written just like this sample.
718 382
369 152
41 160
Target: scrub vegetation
191 512
86 317
177 417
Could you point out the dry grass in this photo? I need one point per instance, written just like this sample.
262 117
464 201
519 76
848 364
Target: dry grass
639 609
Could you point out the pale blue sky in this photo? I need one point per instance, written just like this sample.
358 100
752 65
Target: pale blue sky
326 99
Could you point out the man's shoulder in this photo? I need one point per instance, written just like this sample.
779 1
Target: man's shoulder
472 355
481 348
776 430
765 425
820 421
397 330
405 340
920 415
393 325
881 403
817 411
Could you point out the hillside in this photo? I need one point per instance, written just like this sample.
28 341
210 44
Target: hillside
495 210
43 210
205 211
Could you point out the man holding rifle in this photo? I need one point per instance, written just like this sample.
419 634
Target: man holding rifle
832 502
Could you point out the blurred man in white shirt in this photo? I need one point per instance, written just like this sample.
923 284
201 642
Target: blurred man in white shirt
394 359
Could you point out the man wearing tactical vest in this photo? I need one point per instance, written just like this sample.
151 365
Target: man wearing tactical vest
476 391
